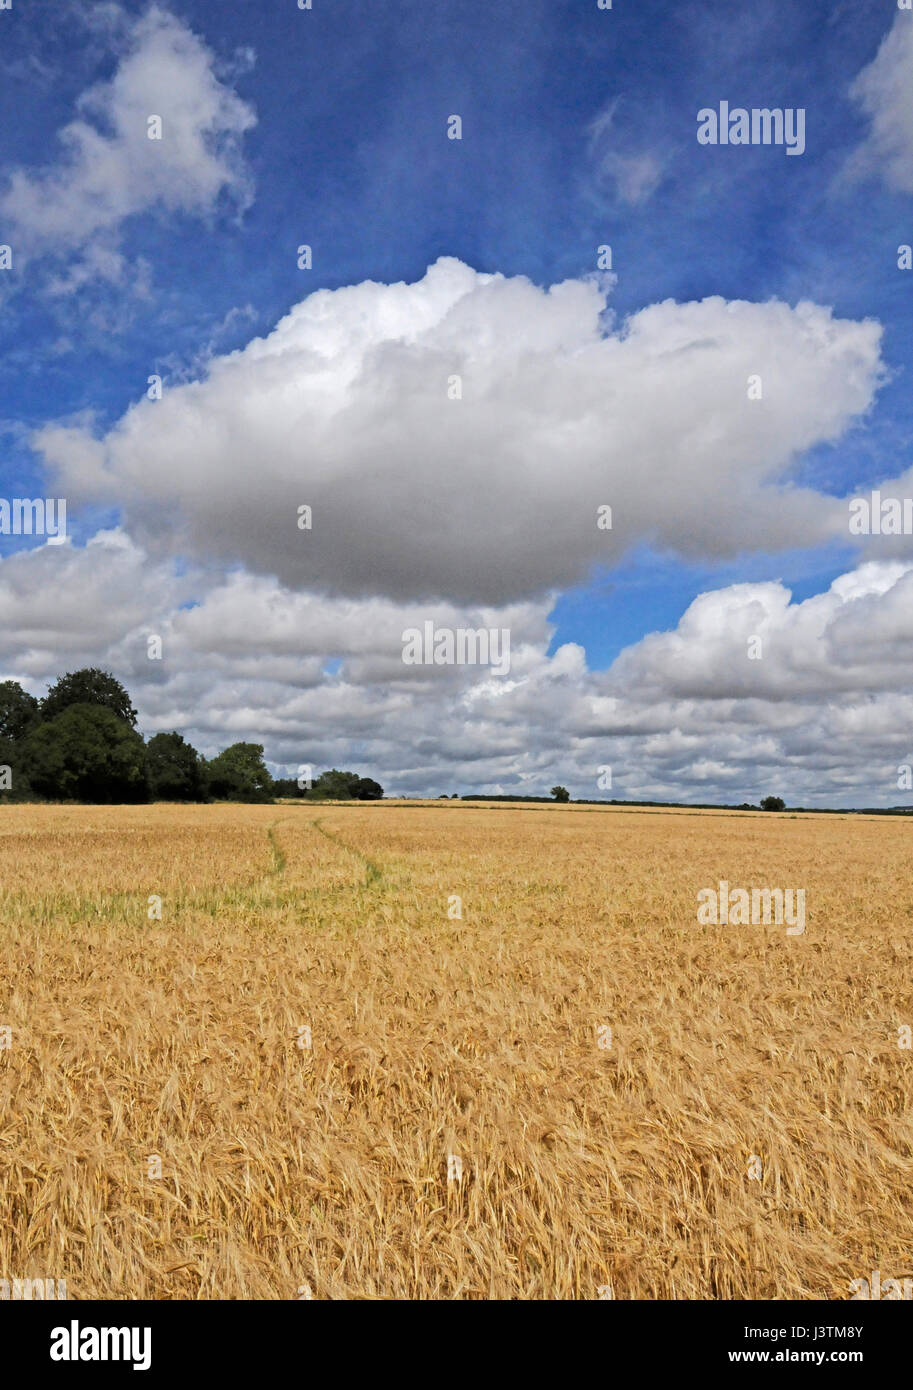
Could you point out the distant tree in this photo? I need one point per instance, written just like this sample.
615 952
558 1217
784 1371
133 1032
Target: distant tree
18 710
239 774
287 786
773 803
174 769
561 794
89 686
366 789
345 786
86 753
335 785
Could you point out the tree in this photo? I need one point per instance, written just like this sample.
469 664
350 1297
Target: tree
18 710
14 782
239 774
286 786
773 803
86 753
561 794
174 769
367 789
89 686
335 785
345 786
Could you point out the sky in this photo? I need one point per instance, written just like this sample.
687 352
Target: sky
457 379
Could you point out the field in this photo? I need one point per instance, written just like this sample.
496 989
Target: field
440 1043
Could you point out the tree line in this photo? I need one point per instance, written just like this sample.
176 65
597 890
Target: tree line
80 743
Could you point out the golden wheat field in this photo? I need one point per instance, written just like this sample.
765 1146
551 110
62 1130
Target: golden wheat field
454 1130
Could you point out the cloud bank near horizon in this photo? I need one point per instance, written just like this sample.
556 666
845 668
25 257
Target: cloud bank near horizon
821 718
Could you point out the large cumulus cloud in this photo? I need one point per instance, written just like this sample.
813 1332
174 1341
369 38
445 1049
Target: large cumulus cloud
493 497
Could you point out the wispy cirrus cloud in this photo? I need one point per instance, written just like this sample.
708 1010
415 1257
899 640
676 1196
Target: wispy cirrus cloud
633 173
884 91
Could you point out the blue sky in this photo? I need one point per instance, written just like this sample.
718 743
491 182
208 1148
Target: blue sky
564 107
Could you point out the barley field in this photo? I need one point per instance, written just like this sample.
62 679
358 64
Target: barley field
351 1092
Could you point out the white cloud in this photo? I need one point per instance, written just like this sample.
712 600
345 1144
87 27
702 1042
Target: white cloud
56 606
841 640
635 174
109 170
494 497
884 91
824 717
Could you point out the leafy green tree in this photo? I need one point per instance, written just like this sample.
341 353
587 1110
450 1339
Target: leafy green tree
345 786
287 786
340 786
367 789
561 794
174 769
773 803
18 710
89 686
14 782
86 753
239 774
